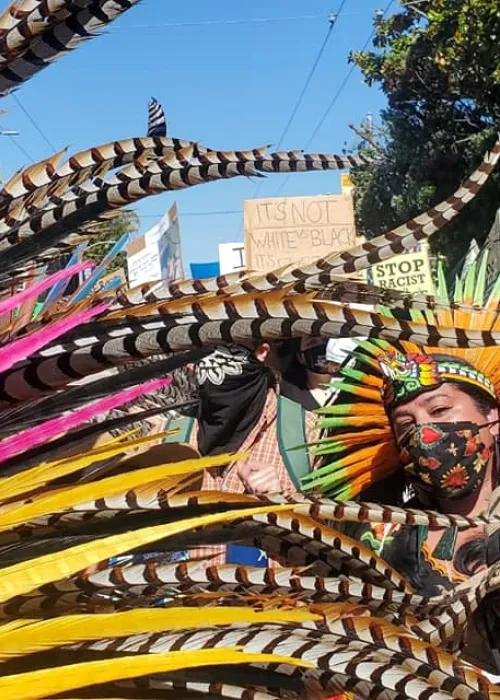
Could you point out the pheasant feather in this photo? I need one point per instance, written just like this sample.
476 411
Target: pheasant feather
100 594
34 436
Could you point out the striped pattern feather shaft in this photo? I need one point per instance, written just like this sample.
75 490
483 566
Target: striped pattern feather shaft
58 38
73 397
157 124
17 443
107 588
145 178
236 321
383 247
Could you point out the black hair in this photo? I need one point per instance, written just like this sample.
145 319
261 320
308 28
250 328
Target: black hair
471 556
483 401
292 370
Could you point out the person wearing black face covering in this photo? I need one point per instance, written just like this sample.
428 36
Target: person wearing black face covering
243 408
233 388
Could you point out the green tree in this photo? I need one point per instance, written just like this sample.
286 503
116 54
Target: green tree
438 63
108 233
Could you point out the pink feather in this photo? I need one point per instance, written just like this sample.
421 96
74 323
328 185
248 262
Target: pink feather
22 348
40 287
57 426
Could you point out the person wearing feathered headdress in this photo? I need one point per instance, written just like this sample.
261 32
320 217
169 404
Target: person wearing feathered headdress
432 430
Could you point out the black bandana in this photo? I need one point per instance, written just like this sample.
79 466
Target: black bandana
233 392
447 459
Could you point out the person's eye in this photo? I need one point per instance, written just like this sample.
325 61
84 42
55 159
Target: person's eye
439 410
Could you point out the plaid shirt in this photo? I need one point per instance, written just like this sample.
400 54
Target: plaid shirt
262 444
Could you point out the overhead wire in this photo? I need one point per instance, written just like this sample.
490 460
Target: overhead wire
215 22
332 22
304 89
336 97
33 122
343 85
223 212
18 145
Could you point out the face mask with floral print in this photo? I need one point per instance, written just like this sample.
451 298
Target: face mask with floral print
448 460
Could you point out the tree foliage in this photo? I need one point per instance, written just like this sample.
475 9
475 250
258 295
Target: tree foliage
438 62
109 233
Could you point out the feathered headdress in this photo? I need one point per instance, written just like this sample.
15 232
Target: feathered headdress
91 603
386 374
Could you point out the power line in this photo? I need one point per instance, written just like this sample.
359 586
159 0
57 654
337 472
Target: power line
34 123
306 86
343 84
19 147
332 22
308 82
337 96
215 22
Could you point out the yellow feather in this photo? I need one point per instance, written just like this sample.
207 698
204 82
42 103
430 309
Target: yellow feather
17 513
21 579
32 479
72 629
35 685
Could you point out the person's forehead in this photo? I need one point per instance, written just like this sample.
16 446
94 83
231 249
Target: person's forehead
446 390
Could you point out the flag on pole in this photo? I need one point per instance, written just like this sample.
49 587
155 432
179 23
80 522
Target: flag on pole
157 125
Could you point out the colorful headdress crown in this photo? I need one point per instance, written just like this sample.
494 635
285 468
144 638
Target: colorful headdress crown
406 376
361 447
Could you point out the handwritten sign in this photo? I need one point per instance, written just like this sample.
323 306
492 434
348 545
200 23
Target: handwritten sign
231 257
410 272
156 255
297 230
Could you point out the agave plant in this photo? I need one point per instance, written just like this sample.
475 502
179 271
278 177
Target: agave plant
91 604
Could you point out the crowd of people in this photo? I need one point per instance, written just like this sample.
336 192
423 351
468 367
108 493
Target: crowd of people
260 403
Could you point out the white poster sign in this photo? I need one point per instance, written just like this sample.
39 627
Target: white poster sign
231 257
144 266
156 255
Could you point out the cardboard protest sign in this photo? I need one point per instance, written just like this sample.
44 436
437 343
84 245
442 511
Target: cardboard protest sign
410 272
297 230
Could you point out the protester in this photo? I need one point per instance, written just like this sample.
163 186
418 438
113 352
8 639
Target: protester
443 415
261 402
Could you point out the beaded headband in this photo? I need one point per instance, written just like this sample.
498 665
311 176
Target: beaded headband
406 376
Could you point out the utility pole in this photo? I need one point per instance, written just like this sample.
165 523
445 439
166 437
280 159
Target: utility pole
366 132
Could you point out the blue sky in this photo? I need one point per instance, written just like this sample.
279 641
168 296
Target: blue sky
229 86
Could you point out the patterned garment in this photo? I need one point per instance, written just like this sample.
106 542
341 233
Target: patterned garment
429 570
262 443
